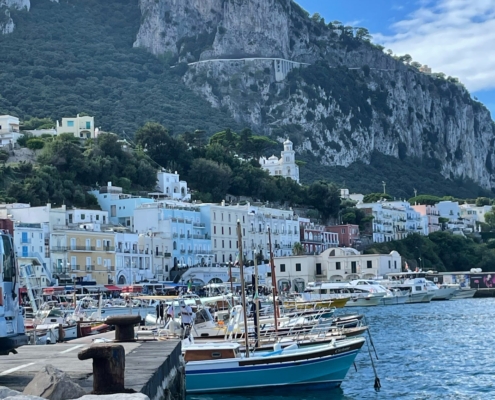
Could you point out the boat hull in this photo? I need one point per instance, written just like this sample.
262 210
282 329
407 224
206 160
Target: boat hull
258 373
363 301
444 294
393 300
464 294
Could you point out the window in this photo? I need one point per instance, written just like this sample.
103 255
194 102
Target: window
214 216
223 244
298 267
318 268
229 220
389 264
83 216
222 230
98 260
337 265
214 230
282 267
98 243
230 231
230 244
70 124
369 264
97 217
88 125
395 264
244 233
215 243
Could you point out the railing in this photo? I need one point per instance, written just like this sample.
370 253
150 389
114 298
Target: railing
182 251
58 248
74 267
182 236
203 252
199 225
159 253
110 268
90 267
108 248
25 240
82 248
175 235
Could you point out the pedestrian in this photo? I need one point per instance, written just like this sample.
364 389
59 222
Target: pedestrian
186 315
161 311
157 312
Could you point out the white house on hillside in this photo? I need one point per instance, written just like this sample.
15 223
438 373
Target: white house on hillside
9 130
285 166
170 184
80 127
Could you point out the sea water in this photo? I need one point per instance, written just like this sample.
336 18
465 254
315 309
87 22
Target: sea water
441 350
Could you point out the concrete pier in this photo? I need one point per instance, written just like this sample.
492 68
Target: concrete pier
152 367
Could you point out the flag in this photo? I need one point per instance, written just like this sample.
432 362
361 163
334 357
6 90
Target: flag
189 285
236 259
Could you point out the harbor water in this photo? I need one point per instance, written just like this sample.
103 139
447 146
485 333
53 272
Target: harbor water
441 350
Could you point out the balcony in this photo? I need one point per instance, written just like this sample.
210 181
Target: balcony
159 253
82 248
58 249
175 235
111 268
182 236
205 252
183 251
25 241
60 270
90 268
74 267
190 251
199 225
109 248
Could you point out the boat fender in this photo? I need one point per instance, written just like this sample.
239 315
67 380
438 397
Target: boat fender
332 343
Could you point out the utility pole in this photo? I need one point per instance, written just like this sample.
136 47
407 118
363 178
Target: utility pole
384 184
274 282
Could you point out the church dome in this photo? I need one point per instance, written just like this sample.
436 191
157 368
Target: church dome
273 158
287 141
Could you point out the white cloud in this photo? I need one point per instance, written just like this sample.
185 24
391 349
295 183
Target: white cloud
456 37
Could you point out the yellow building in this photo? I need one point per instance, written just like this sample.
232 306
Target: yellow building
84 254
82 127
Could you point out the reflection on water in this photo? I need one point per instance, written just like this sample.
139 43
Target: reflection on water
441 350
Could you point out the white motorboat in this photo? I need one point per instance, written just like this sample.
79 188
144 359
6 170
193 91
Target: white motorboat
357 297
462 292
440 292
415 288
394 297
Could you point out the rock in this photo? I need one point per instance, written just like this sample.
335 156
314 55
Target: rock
118 396
53 384
23 397
6 392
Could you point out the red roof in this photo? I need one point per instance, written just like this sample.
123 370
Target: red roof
113 288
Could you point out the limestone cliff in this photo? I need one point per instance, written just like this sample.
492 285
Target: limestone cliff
6 22
351 100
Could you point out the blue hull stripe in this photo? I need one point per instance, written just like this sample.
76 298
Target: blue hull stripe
270 366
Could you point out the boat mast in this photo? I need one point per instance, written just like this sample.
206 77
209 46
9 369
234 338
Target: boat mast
243 293
274 281
256 300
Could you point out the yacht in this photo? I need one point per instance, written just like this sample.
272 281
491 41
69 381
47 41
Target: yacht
441 292
357 297
415 288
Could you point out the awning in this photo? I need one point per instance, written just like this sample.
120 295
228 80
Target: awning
94 289
53 290
113 288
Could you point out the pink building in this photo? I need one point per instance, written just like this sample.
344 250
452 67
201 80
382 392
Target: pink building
349 235
432 214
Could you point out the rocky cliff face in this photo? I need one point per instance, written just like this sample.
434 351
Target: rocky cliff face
351 100
6 22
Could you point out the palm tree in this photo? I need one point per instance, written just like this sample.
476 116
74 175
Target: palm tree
297 249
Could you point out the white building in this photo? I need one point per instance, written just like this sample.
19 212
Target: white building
285 166
133 259
335 265
9 130
221 224
82 127
170 184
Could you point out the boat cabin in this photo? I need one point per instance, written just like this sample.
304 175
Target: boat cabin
211 351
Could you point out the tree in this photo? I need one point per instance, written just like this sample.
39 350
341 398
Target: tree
325 198
416 64
210 177
109 144
425 199
490 219
483 201
35 144
374 197
297 249
363 34
155 140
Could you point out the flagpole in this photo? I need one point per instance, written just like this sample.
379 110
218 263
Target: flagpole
243 292
274 282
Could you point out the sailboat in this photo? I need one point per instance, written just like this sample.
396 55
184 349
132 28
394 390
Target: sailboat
222 367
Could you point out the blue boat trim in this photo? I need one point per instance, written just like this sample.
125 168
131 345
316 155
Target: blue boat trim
274 365
330 384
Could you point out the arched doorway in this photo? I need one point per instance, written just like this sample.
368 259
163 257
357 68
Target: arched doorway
351 277
336 278
369 276
284 285
215 280
298 285
122 280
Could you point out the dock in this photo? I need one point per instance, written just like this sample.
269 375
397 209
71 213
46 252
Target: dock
152 367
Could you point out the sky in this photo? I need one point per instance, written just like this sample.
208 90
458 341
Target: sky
456 37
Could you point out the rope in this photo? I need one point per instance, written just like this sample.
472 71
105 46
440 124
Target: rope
377 384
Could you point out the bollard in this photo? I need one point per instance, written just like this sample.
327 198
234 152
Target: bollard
124 326
108 367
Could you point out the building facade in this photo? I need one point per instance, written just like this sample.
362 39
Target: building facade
285 166
170 184
82 127
348 235
334 265
432 215
316 238
9 130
